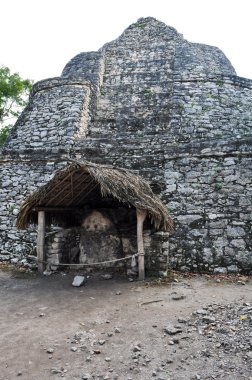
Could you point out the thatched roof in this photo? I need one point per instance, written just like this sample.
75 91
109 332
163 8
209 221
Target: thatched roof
79 183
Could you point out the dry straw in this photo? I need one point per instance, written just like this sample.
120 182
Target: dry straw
78 182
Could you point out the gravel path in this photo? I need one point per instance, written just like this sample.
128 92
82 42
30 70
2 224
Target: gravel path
194 327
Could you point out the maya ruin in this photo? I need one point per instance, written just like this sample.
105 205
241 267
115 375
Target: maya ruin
149 107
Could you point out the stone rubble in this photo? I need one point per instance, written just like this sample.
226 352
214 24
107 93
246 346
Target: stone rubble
220 334
78 281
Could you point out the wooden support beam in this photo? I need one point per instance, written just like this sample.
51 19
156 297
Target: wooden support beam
61 185
41 241
141 215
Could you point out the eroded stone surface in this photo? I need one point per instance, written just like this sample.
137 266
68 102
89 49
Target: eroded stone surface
172 111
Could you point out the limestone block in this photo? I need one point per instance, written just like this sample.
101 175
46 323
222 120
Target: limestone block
78 281
232 269
235 232
244 259
220 270
238 243
189 219
170 188
53 259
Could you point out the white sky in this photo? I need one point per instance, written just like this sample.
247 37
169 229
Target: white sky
38 37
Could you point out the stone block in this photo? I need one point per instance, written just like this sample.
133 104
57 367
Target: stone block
229 251
244 259
78 281
216 232
235 232
220 270
220 242
170 189
189 219
208 255
218 224
233 269
238 243
53 259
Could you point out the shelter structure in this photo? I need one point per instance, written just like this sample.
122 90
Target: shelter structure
80 188
167 110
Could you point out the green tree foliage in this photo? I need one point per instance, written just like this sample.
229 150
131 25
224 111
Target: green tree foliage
4 133
14 92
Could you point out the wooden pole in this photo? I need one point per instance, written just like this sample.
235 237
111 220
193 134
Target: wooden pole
41 241
141 215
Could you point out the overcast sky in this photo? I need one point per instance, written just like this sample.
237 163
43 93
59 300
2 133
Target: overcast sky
38 37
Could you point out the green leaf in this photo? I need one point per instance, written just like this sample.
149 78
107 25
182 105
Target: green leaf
14 92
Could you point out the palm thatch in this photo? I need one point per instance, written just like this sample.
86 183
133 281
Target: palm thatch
79 183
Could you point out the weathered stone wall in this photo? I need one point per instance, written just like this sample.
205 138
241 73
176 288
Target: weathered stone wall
19 178
57 115
172 111
211 203
62 246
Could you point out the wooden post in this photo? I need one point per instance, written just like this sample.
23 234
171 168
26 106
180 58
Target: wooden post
141 215
41 241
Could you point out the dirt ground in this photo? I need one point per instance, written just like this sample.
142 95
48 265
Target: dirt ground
194 327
